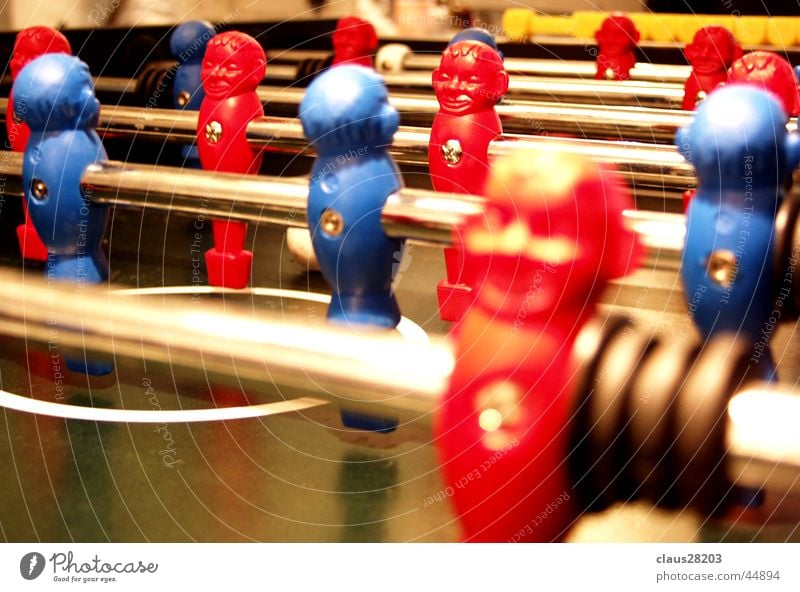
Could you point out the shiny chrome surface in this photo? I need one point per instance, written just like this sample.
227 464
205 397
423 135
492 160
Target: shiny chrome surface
657 169
191 191
642 165
565 90
372 371
663 73
763 442
425 216
532 117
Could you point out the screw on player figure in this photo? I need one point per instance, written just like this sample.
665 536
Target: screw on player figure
354 42
347 117
551 238
188 45
468 83
55 97
617 39
233 66
742 154
29 44
771 72
711 53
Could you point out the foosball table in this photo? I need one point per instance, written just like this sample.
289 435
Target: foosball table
293 282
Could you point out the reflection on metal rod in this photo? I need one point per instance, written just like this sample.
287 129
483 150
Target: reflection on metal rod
646 167
663 73
425 216
377 369
526 117
565 90
378 372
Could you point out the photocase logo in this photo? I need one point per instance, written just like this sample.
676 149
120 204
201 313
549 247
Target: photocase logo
31 565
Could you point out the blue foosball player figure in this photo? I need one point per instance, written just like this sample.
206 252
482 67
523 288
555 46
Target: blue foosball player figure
742 156
54 95
346 115
188 45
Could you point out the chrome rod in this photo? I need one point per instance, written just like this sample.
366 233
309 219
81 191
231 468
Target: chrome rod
543 89
647 72
529 117
644 71
378 372
376 369
646 167
565 90
424 216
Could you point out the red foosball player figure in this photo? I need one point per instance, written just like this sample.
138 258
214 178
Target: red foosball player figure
772 73
711 53
551 238
29 45
233 66
617 39
468 83
354 42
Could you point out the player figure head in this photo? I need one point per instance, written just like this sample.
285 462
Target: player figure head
234 64
470 78
56 92
189 41
617 35
346 111
354 42
770 72
33 42
712 50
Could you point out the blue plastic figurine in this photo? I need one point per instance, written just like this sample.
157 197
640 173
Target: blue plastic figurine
54 95
476 34
742 156
188 45
347 117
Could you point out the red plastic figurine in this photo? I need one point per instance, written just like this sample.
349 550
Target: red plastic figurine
617 39
468 83
772 73
547 244
354 42
710 54
233 66
29 44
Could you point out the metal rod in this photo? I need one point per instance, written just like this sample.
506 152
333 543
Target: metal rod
376 370
425 216
566 90
644 71
647 72
526 117
543 89
379 372
649 169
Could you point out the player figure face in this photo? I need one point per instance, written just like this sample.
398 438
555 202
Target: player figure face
617 35
231 69
711 51
469 81
353 41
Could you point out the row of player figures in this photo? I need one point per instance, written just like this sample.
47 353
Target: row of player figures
531 220
468 84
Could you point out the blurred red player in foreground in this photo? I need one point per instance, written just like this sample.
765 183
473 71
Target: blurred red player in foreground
551 238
